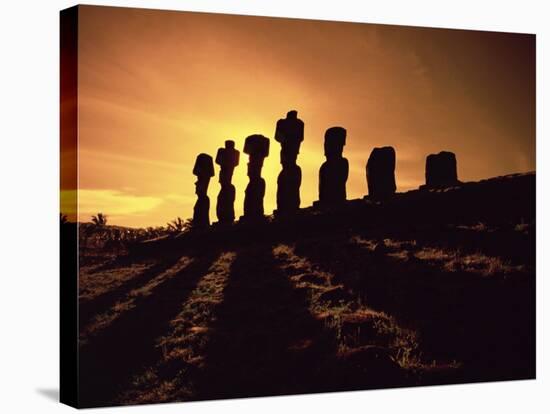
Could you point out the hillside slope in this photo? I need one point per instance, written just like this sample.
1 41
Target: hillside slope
428 288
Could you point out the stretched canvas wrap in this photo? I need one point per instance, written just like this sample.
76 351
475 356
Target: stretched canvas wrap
257 206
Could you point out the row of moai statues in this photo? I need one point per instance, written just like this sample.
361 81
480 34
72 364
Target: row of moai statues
440 172
289 132
333 174
257 148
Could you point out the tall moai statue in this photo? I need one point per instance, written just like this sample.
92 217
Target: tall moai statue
333 174
204 170
441 170
290 133
257 148
227 158
381 173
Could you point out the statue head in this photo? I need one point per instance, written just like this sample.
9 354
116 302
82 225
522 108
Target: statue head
204 166
292 114
335 139
203 169
256 146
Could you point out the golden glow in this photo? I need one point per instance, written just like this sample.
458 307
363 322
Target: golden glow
156 88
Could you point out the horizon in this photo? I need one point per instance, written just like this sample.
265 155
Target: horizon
156 88
301 208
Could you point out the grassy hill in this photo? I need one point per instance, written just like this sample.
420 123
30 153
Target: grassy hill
430 287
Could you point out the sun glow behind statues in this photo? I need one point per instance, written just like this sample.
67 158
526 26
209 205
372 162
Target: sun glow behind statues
157 88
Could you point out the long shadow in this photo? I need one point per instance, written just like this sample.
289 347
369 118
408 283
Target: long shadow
108 362
265 341
487 323
116 262
87 310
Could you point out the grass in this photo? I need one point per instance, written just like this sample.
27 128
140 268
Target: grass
480 227
198 312
354 324
128 302
94 282
347 308
449 260
182 348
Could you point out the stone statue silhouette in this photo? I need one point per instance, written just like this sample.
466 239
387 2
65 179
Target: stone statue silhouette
381 173
441 170
257 148
227 158
290 133
333 174
204 170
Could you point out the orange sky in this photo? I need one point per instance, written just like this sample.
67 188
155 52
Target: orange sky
157 87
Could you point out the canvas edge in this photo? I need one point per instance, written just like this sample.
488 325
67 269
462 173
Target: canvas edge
68 378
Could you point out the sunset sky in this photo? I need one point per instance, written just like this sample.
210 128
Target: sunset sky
156 88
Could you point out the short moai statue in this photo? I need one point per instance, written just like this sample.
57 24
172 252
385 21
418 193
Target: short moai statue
204 170
257 148
333 174
227 158
290 133
441 170
381 173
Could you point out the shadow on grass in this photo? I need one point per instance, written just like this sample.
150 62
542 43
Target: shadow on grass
486 323
504 242
265 341
110 360
88 309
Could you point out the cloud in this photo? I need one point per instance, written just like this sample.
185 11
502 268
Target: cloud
179 199
110 202
130 160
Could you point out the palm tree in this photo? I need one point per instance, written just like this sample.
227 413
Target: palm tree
177 225
159 231
100 220
98 227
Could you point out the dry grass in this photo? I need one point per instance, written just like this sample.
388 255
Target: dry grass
524 227
354 324
364 243
103 320
479 227
456 261
448 260
93 283
199 310
183 347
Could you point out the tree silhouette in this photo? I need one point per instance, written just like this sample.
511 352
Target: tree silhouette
178 225
97 229
100 220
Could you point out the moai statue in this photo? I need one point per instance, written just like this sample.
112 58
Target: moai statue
227 158
441 170
290 133
204 170
334 171
381 173
257 148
